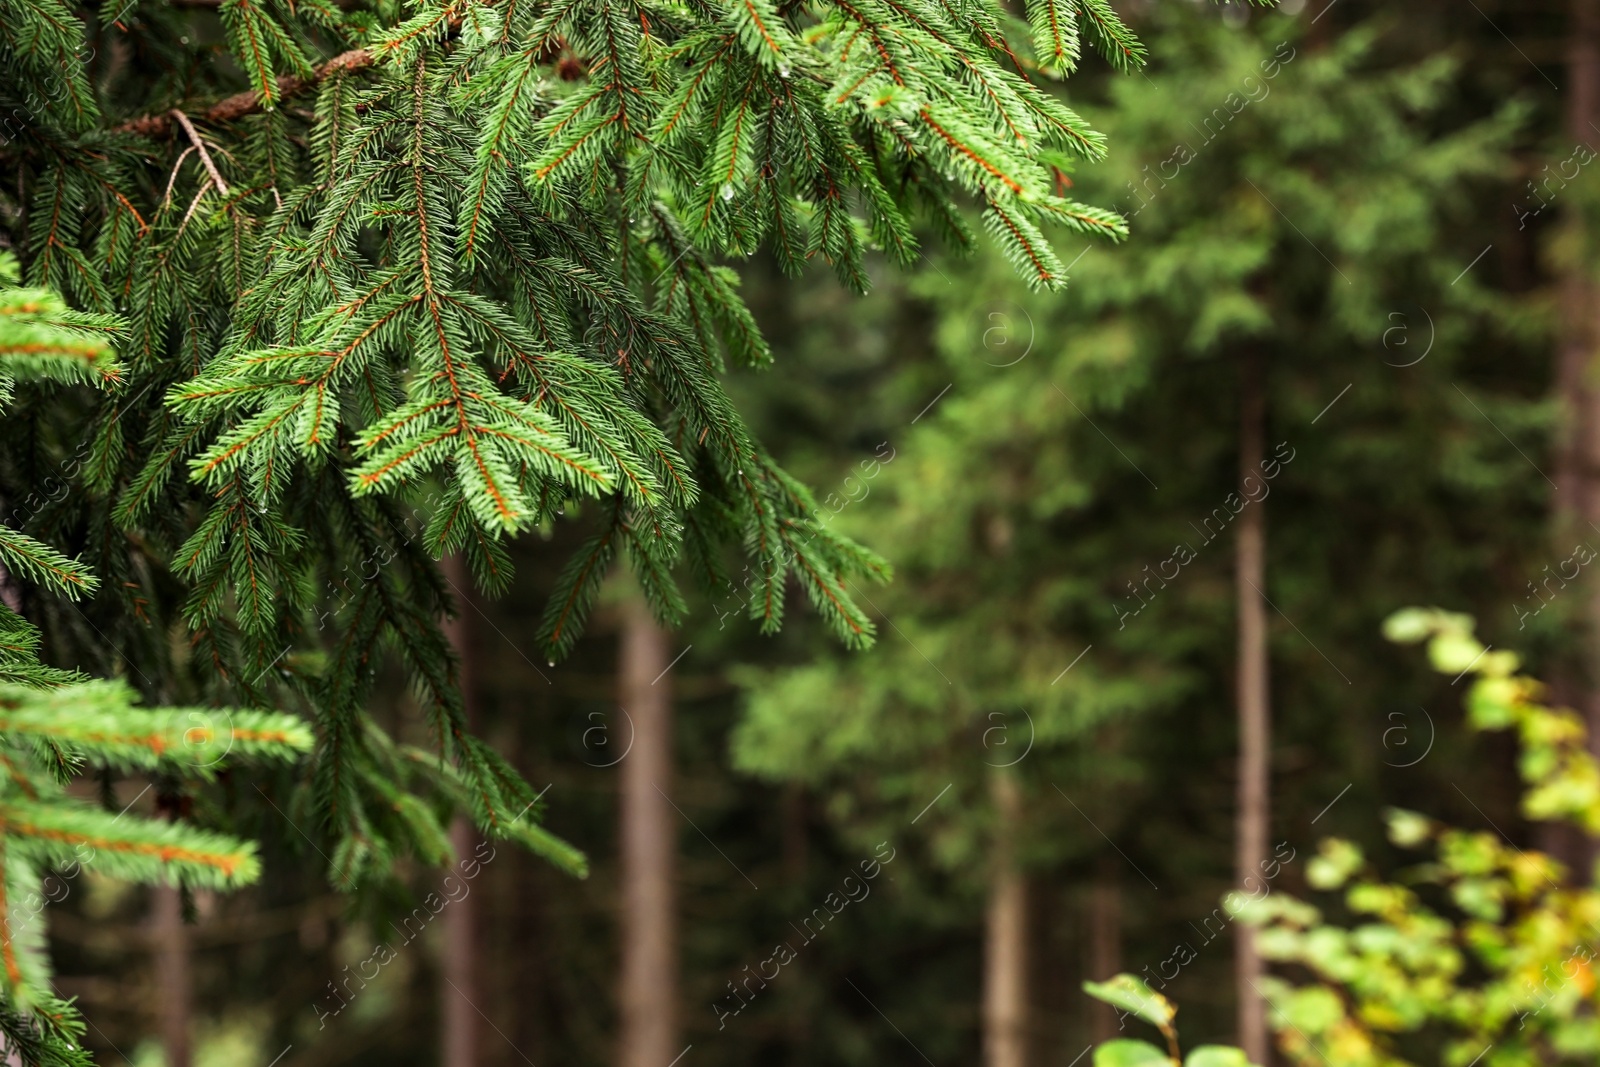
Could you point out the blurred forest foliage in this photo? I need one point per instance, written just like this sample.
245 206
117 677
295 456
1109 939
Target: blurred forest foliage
1380 206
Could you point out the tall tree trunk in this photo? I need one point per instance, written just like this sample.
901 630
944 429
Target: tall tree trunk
1005 957
1255 723
172 972
1577 452
649 1031
1105 942
1579 505
459 966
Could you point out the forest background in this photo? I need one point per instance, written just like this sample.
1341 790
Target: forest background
1362 226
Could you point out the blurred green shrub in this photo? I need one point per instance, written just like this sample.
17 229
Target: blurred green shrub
1481 954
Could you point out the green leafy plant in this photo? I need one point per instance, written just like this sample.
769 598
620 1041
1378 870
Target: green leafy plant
1132 996
1481 953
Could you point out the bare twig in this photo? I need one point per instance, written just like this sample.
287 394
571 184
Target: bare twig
205 187
199 146
172 179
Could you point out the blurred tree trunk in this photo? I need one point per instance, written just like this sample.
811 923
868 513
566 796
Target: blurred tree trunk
1577 450
1105 942
172 972
1005 962
459 966
1575 497
459 1018
1255 724
797 1028
1581 305
649 1030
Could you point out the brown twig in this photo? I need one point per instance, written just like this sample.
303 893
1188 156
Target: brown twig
205 157
172 179
205 187
239 105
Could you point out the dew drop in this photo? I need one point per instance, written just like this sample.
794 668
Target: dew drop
783 70
727 191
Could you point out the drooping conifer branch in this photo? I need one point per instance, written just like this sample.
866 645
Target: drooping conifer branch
471 280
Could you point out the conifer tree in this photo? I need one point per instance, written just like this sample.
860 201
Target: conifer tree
56 724
402 281
1023 510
